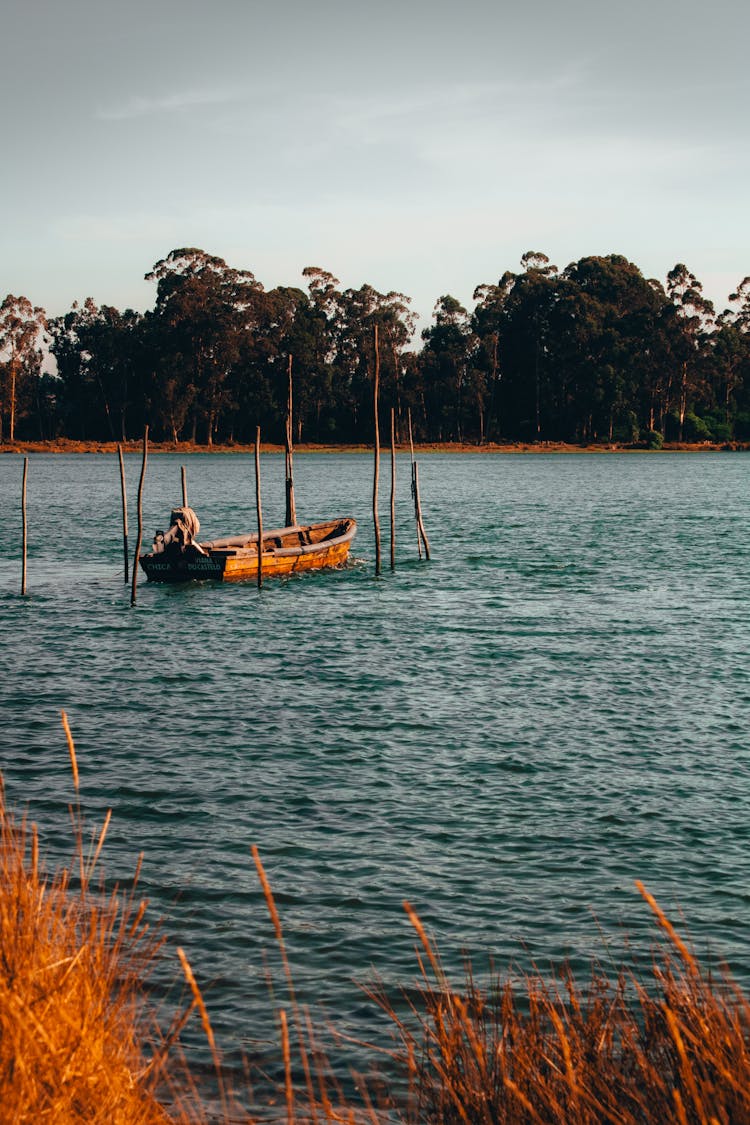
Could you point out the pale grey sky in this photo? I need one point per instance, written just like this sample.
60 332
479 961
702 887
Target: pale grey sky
416 146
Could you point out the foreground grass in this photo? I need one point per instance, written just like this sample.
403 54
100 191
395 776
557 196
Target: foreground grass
72 1047
670 1048
79 1040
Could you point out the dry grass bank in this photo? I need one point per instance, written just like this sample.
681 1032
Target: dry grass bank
80 1041
64 445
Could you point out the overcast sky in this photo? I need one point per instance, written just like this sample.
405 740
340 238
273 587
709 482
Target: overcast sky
417 146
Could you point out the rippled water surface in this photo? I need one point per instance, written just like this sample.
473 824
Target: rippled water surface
507 736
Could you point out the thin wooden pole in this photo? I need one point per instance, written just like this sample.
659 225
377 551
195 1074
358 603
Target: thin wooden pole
24 522
376 480
393 489
291 511
413 491
259 507
140 517
417 504
124 495
418 507
184 486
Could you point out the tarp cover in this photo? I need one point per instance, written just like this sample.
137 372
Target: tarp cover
184 526
187 521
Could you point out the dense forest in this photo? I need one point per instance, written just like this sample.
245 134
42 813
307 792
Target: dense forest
591 353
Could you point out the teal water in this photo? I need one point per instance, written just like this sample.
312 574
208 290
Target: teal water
507 736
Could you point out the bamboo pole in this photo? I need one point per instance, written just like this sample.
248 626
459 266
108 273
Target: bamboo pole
139 540
376 480
393 489
24 523
183 476
259 507
291 511
413 493
124 496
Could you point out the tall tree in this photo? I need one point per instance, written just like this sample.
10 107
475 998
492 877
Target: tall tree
446 362
206 310
524 340
695 316
93 349
75 395
360 310
730 359
604 325
486 321
22 328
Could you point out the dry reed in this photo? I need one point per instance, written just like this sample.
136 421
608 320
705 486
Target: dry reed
79 1038
80 1042
671 1048
73 1045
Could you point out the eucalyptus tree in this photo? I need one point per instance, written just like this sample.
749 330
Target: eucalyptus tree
396 323
654 388
115 343
110 342
22 329
77 394
694 318
742 299
355 361
536 261
448 347
607 323
325 296
315 331
257 385
97 350
741 388
207 312
524 341
359 311
486 320
730 362
727 368
324 394
167 397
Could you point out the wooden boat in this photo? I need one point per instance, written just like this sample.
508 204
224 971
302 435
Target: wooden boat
177 556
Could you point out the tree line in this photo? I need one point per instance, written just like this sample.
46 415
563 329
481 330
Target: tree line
595 352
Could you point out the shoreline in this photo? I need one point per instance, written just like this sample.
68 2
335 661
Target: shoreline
66 445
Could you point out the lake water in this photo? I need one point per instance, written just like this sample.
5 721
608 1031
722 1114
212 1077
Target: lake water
507 736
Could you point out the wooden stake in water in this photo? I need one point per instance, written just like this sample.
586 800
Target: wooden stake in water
184 486
417 504
393 489
123 493
259 507
24 524
418 509
140 517
291 511
411 453
376 480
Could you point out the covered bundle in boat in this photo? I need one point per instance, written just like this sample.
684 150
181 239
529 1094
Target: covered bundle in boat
184 526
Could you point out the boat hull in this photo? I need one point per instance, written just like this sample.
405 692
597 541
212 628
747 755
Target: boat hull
285 551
